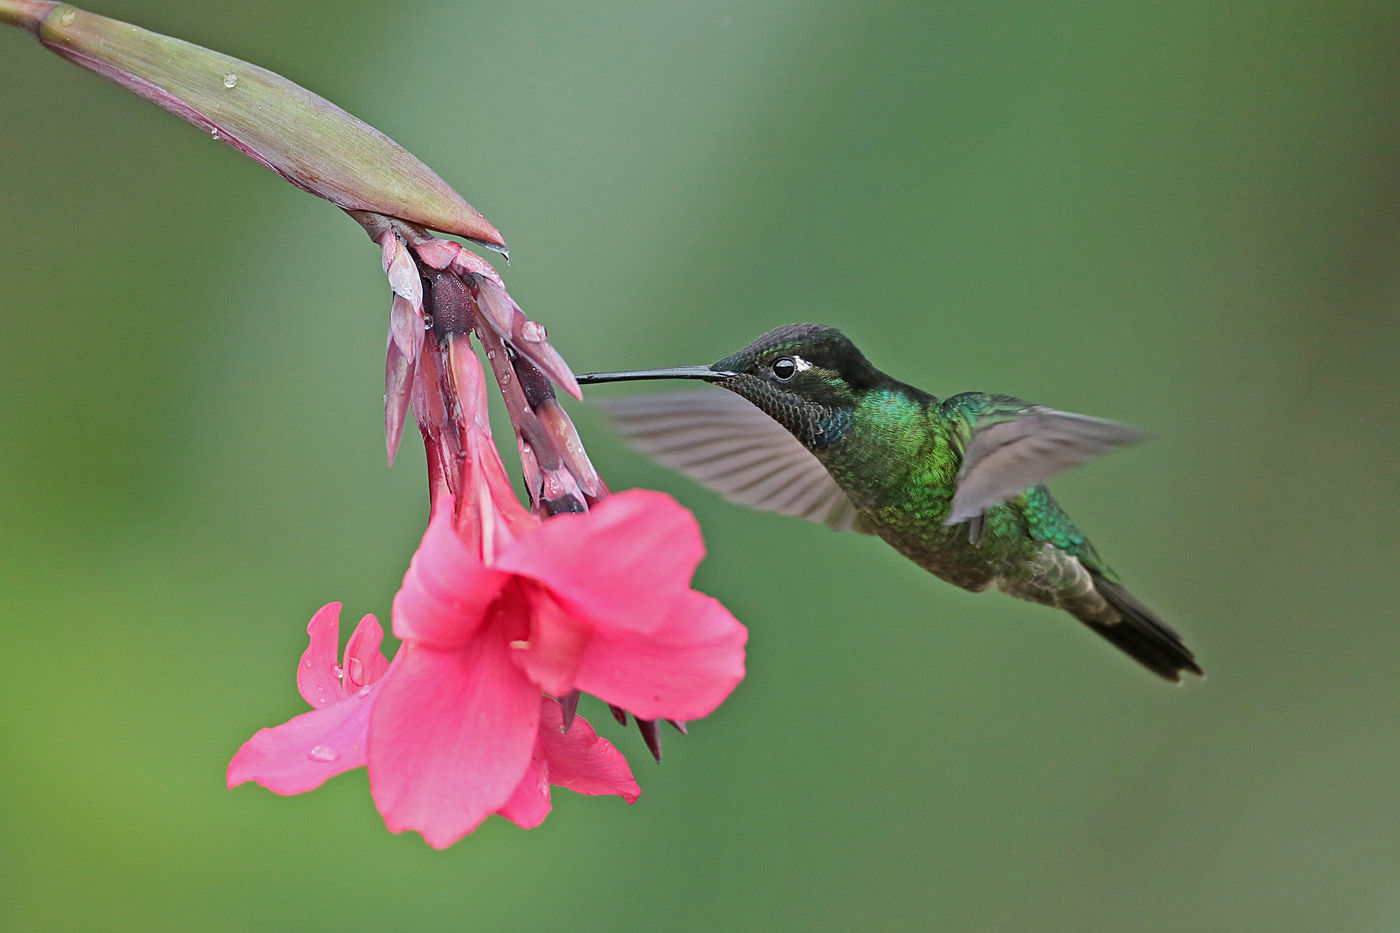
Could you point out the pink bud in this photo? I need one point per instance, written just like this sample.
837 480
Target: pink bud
530 466
557 423
402 273
406 328
398 385
437 253
468 263
526 337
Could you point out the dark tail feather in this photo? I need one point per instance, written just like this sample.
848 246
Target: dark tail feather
1139 633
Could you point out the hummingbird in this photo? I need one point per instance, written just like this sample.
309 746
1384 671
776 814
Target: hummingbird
810 428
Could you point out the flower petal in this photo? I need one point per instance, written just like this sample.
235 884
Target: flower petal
451 737
447 590
556 644
316 675
364 664
529 805
304 751
580 760
620 565
682 671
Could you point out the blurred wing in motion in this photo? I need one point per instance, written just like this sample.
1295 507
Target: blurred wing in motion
722 441
1017 449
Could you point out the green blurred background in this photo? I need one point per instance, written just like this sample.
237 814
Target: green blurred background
1183 216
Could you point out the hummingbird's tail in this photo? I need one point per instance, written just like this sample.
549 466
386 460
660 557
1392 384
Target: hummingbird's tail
1140 634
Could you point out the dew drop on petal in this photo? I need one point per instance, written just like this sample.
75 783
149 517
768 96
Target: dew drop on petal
364 692
67 18
532 331
322 753
357 671
230 79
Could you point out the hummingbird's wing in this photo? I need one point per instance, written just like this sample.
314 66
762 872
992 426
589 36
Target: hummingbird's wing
1014 448
722 441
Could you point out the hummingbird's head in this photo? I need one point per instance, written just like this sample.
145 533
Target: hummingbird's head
807 377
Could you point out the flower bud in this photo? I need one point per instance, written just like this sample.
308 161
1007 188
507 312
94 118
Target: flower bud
300 135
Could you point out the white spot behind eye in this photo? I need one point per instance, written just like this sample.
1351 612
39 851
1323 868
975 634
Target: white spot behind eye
801 364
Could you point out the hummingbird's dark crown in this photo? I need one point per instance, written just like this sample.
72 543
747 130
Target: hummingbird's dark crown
807 377
821 347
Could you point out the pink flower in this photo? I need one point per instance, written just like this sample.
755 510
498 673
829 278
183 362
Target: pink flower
597 601
498 608
492 612
302 753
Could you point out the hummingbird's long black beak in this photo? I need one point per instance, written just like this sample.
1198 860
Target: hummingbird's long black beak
675 372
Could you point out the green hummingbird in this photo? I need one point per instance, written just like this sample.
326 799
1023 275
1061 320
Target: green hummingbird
813 429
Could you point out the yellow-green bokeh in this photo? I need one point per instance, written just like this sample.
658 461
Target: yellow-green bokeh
1183 216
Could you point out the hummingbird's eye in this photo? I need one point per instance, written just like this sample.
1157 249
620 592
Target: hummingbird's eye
784 367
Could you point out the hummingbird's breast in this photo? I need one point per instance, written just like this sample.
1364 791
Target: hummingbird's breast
894 456
899 465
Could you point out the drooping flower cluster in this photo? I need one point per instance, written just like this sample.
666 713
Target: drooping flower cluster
506 613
